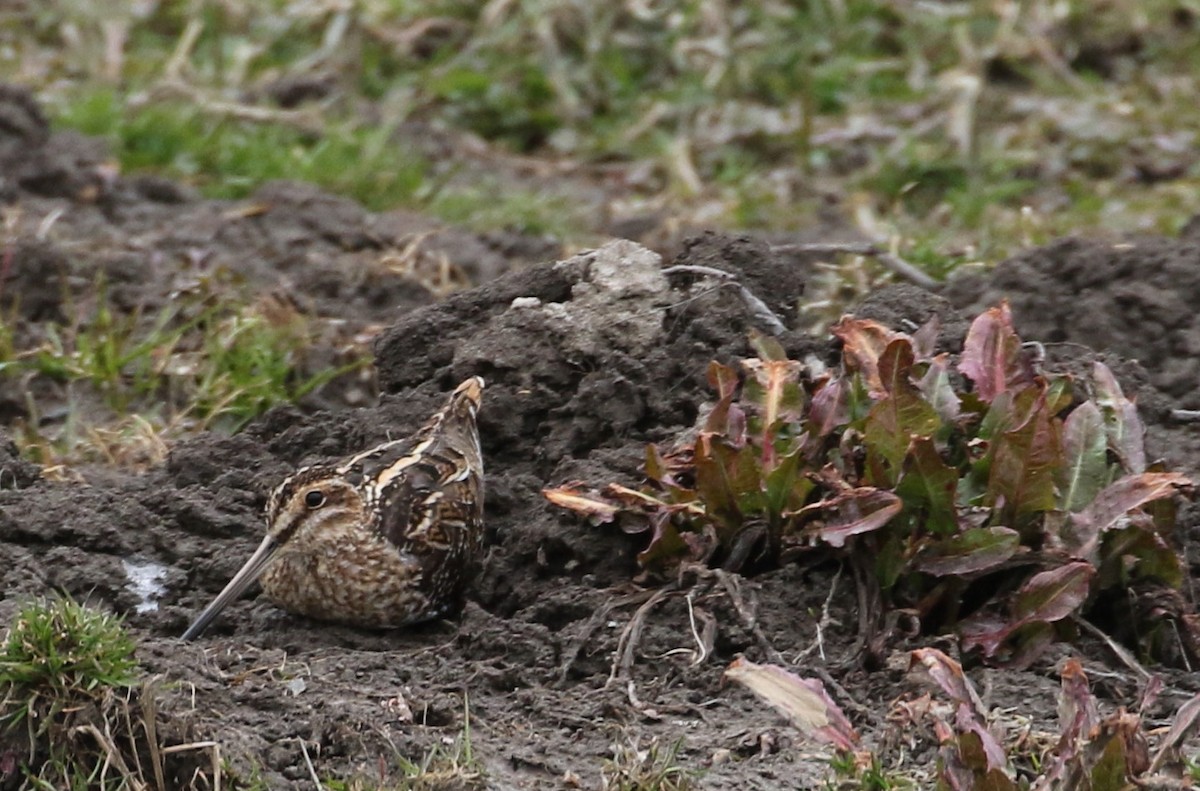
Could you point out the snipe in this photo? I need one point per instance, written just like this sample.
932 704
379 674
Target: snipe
386 538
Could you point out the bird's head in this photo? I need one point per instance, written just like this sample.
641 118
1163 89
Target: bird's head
313 500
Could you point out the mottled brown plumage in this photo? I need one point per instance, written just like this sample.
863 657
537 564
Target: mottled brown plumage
386 538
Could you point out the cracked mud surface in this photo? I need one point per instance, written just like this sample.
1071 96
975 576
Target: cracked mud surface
586 360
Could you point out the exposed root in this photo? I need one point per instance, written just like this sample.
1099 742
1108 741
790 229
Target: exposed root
598 619
622 666
826 620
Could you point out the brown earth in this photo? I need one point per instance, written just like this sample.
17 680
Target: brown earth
586 361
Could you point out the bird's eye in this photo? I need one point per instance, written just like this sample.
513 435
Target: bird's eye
314 499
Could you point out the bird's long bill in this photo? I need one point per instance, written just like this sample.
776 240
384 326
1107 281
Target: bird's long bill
236 587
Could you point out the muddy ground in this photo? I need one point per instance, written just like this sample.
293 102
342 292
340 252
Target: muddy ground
586 361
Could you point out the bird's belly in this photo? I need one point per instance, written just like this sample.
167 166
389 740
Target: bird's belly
369 585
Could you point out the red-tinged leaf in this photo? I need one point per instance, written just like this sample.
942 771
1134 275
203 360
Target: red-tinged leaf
1183 724
666 548
992 357
830 408
938 390
1133 491
724 380
930 485
1029 643
1053 595
634 501
1024 459
766 347
1112 505
949 675
1077 712
987 632
803 701
924 340
863 341
1085 451
573 498
970 715
1126 433
970 552
901 414
853 512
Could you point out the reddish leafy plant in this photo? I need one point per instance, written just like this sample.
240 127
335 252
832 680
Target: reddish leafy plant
983 495
1093 750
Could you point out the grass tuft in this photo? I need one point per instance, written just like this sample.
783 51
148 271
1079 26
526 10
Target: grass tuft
650 768
65 670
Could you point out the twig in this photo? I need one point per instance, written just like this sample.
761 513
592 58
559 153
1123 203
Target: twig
149 703
1122 653
183 49
302 120
312 770
758 308
892 261
1186 415
214 751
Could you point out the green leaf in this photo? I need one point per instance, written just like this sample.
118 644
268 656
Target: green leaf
992 357
773 386
1111 771
1059 395
766 347
1085 453
1121 420
786 487
937 389
930 486
901 415
970 552
713 484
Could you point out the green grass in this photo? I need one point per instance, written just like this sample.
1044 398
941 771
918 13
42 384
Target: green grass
224 158
451 767
653 767
63 670
750 91
849 774
209 360
762 117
